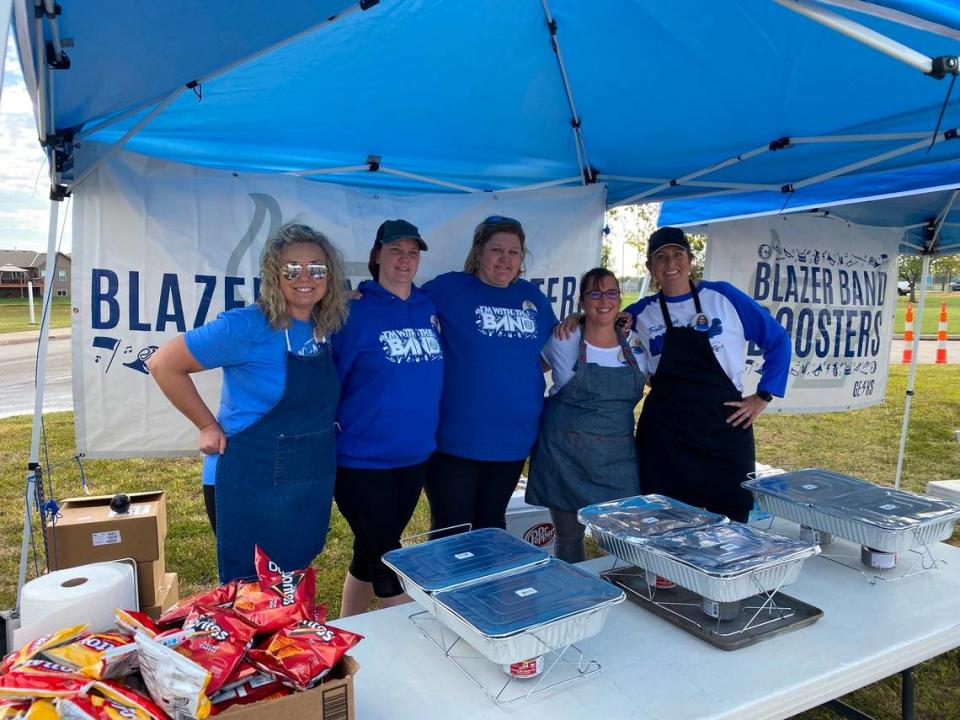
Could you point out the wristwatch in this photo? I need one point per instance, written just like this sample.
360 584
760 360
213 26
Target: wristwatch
764 395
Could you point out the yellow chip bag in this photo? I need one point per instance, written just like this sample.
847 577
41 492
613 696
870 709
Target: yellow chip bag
44 642
42 710
99 655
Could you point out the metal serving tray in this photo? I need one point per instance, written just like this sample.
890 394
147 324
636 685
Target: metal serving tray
620 527
456 560
529 612
884 519
726 563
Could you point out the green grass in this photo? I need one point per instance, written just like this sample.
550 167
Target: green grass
861 443
931 313
15 314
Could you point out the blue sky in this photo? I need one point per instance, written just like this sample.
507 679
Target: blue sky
24 186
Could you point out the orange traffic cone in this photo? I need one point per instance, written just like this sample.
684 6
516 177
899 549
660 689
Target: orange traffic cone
908 335
942 336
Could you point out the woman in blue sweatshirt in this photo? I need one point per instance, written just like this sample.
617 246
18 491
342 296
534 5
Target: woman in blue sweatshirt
390 364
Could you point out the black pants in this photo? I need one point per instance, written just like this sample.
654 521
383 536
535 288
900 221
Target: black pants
462 490
378 504
210 504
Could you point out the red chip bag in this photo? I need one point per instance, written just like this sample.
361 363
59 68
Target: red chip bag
254 690
304 653
26 683
219 640
244 671
124 698
279 598
218 597
133 621
13 708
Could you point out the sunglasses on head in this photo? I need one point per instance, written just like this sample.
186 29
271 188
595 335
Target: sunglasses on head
501 220
608 294
293 271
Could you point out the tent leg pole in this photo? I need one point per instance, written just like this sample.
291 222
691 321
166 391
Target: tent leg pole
913 371
38 395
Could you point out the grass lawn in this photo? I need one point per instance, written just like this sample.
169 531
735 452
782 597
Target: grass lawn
15 314
861 443
931 313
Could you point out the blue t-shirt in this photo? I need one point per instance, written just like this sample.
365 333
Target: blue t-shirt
254 360
492 382
390 363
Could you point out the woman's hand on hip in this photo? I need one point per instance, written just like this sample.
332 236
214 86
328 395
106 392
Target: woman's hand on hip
213 441
748 410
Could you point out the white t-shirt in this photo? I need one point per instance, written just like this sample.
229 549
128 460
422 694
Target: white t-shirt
561 356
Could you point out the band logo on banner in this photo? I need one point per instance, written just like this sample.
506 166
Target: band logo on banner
832 286
161 248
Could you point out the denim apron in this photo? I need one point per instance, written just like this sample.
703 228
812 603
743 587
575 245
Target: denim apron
585 453
687 450
274 482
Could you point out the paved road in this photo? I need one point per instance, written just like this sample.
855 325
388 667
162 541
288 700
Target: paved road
17 363
17 375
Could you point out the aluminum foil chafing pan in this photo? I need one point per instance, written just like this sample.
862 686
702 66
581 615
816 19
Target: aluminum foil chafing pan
621 525
529 612
728 562
881 518
456 560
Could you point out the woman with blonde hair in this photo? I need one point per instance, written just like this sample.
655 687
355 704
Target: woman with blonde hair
493 325
270 456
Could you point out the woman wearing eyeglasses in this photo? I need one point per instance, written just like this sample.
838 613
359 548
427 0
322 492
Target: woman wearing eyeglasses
585 452
270 450
495 325
391 364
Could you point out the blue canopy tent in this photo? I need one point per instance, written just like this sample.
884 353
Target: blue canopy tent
658 100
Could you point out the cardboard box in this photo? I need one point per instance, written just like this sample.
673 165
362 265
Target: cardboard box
150 580
89 531
331 700
168 594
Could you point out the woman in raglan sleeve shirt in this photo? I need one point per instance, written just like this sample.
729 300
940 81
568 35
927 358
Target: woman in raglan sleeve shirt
494 325
695 435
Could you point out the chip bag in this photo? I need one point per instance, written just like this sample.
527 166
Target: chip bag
13 708
124 698
177 683
219 640
304 653
218 597
42 710
35 647
261 687
98 655
29 683
133 621
278 598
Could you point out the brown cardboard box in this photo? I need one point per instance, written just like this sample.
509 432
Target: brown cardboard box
150 580
331 700
168 594
88 531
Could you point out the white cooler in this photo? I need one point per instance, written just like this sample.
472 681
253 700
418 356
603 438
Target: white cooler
529 522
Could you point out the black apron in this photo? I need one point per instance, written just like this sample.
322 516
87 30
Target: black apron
274 482
686 448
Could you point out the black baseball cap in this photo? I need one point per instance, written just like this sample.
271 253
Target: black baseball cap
665 236
392 230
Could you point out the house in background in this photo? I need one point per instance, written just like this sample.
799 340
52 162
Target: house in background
13 281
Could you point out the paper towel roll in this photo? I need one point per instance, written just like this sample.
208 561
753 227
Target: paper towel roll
84 594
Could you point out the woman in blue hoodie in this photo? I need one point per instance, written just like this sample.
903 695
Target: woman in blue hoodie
390 363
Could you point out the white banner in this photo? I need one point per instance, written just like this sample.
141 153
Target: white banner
160 248
833 286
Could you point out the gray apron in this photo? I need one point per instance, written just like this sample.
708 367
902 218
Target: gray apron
586 453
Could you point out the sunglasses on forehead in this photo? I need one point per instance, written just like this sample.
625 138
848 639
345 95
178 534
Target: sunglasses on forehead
293 271
501 220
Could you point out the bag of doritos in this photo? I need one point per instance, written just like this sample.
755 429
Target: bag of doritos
219 640
304 653
98 655
279 597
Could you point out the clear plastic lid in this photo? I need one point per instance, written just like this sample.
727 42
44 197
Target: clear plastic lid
640 518
812 486
458 559
513 603
894 509
732 549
